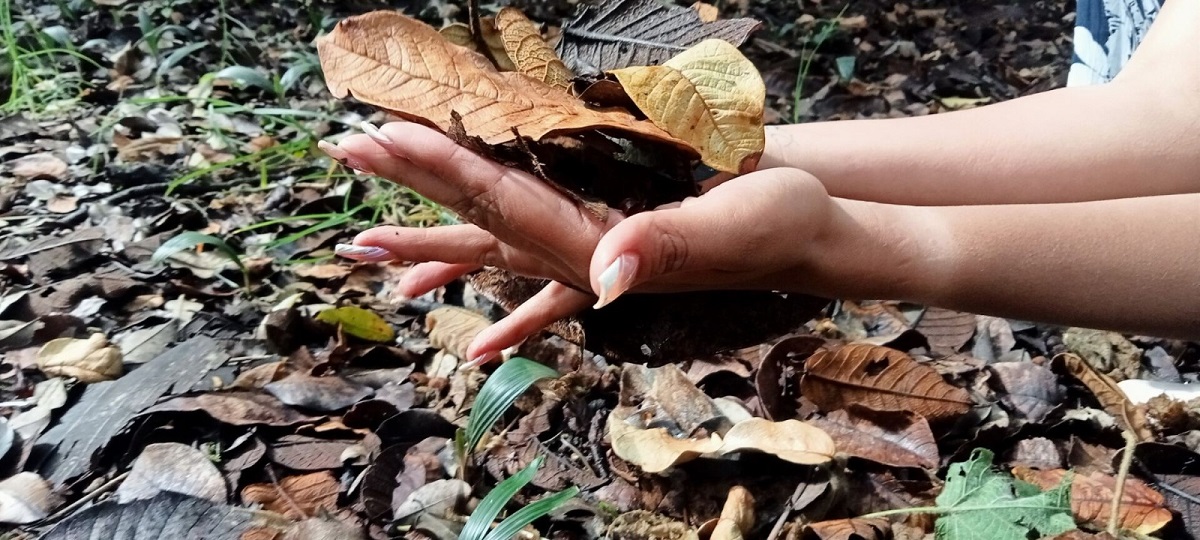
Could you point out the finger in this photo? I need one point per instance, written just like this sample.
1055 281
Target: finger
425 277
456 244
555 301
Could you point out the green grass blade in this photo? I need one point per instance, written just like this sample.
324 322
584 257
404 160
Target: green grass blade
502 388
477 525
191 239
245 76
512 525
177 56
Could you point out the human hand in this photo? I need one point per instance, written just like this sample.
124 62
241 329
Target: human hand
752 232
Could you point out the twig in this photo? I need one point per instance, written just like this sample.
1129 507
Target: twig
563 438
287 497
1114 515
71 508
787 510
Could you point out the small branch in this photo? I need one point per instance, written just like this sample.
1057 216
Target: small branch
287 497
1114 516
108 486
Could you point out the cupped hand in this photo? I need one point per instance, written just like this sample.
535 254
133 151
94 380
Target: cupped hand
751 232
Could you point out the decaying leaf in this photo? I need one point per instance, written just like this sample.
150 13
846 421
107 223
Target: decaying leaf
946 330
25 497
235 408
167 516
388 60
710 96
1110 396
850 529
442 498
664 397
897 439
643 525
296 497
325 394
176 468
528 51
790 440
1142 509
453 328
360 323
654 449
1028 389
623 33
90 360
881 379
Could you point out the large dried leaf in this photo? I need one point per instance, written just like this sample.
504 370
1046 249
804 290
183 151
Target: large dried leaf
1141 508
169 515
460 34
453 328
296 497
1110 396
89 360
710 96
654 450
790 440
236 408
896 439
528 51
881 379
388 60
623 33
946 330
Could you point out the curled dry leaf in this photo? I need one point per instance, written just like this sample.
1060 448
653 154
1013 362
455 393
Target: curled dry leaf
1129 416
737 516
881 379
173 467
460 34
25 497
654 449
710 96
897 439
296 497
1142 509
664 397
790 440
391 61
89 360
453 328
529 52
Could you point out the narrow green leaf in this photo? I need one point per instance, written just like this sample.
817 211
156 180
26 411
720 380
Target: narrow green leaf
178 55
502 388
191 239
481 519
245 76
519 519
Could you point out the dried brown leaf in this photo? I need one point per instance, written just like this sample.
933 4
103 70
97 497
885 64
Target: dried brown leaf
946 330
881 379
654 450
460 34
529 52
236 408
453 328
851 529
391 61
1142 509
737 516
896 439
296 497
90 360
1110 396
1028 389
790 440
173 467
707 12
25 497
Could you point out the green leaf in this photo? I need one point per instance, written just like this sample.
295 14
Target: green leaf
502 388
178 55
979 503
245 76
191 239
360 323
481 519
519 519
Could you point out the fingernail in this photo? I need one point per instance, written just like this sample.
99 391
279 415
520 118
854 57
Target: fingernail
378 136
363 253
345 158
616 279
481 360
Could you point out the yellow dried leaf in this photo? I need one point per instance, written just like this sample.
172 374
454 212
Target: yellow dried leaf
790 440
392 61
360 323
710 96
453 328
707 12
527 49
654 450
89 360
460 34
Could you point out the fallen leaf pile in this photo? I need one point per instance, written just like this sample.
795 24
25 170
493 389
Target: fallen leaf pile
180 350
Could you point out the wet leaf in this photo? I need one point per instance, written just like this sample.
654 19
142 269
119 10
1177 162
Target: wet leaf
391 61
1110 396
790 440
452 329
625 33
25 498
296 497
503 386
882 379
980 503
710 96
324 394
176 468
896 439
1141 509
90 360
528 51
360 323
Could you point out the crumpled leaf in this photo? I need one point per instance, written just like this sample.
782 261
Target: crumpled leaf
882 379
654 449
790 440
25 497
176 468
453 328
1027 388
90 360
528 51
666 398
360 323
896 439
979 503
1110 396
1142 509
388 60
710 96
295 495
235 408
623 33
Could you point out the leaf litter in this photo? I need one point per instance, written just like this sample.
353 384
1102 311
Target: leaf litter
253 386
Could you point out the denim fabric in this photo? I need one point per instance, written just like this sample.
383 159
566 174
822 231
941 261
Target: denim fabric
1106 33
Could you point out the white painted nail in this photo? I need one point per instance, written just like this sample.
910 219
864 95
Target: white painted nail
616 279
376 135
363 253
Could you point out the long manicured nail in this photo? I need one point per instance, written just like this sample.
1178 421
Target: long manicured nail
378 136
480 360
616 279
345 158
363 253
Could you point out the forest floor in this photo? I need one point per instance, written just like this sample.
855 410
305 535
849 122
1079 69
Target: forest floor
261 388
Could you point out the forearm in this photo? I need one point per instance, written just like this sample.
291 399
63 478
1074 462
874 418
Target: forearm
1129 265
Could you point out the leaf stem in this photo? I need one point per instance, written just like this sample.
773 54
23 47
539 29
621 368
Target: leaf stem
956 509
